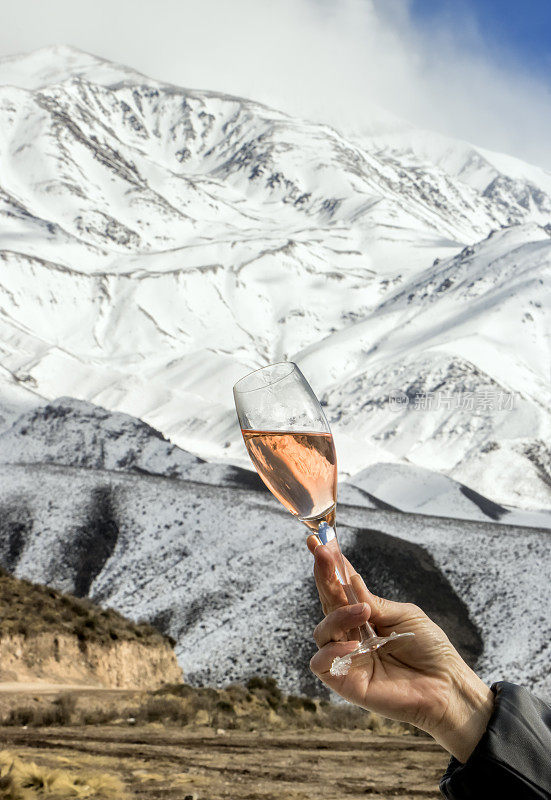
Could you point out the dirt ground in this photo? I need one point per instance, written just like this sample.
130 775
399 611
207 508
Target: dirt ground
157 762
44 687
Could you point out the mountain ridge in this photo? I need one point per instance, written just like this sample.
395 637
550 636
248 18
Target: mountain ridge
159 242
224 570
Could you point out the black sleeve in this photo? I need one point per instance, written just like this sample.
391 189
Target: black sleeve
513 758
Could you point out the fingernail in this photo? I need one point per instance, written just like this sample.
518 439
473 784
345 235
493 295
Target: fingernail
358 609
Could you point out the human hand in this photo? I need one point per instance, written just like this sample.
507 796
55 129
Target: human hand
422 680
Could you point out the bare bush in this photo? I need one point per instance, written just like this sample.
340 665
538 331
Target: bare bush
259 704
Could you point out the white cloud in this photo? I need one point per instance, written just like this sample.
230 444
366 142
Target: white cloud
323 59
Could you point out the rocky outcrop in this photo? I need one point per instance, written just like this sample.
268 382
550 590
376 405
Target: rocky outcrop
47 636
63 658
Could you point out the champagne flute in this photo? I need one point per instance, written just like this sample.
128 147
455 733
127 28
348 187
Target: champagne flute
291 446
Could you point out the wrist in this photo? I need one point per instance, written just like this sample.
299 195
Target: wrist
470 706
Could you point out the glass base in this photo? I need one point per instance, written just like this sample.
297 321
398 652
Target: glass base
362 654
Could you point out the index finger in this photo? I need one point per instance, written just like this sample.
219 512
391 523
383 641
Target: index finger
331 591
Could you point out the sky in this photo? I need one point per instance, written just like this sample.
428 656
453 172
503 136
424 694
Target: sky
479 70
510 28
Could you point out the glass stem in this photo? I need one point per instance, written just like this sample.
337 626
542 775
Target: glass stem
327 535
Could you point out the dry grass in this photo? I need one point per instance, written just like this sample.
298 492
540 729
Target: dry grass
29 608
259 705
20 780
172 763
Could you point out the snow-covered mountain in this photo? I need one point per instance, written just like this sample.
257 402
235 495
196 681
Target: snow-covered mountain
403 487
158 242
463 348
100 504
75 433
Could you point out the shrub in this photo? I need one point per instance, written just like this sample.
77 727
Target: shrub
267 689
176 689
179 704
255 683
66 705
237 692
20 716
163 708
226 706
37 716
301 703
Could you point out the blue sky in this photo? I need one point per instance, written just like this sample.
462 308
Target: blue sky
511 28
478 70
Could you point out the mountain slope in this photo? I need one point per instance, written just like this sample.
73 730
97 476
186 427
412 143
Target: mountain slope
75 433
158 242
499 177
223 568
464 346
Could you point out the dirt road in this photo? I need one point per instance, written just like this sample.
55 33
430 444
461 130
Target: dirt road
45 688
174 764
